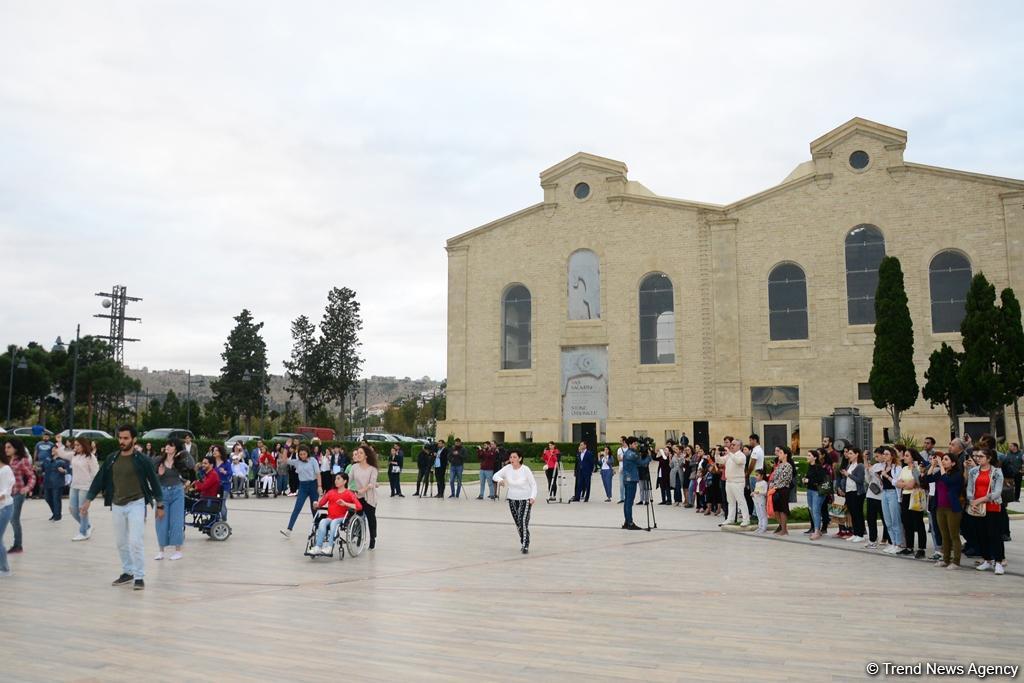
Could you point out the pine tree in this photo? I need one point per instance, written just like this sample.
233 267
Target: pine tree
942 384
243 378
340 328
305 372
979 378
1011 352
893 376
172 410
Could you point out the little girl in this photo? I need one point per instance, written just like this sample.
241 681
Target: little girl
761 502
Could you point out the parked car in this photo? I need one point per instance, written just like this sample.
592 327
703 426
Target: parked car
27 431
281 437
85 433
322 433
374 436
244 438
166 433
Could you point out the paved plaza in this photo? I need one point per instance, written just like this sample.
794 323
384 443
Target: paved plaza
448 596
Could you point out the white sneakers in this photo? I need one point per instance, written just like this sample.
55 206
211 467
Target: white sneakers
324 549
287 533
80 537
855 539
891 550
175 556
999 569
984 566
159 556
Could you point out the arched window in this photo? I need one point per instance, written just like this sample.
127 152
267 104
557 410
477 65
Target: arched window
657 320
584 286
865 249
516 310
949 278
787 302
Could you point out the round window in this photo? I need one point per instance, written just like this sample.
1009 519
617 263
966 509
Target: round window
859 159
581 191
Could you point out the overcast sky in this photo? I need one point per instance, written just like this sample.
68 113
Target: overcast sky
213 156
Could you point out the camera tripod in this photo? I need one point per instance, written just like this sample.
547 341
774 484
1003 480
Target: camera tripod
647 498
557 482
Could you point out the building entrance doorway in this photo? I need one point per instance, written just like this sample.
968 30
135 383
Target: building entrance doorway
585 431
774 434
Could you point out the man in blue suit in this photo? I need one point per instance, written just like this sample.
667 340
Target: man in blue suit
584 471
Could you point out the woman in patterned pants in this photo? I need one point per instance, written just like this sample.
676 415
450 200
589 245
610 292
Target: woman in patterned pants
522 493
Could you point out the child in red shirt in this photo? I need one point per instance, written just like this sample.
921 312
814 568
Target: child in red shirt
339 501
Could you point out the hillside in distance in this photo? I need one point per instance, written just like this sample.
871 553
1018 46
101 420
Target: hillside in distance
156 384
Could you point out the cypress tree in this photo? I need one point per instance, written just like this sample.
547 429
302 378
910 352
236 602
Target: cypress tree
942 384
980 380
1011 352
893 376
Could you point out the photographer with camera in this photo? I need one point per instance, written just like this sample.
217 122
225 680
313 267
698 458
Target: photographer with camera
633 463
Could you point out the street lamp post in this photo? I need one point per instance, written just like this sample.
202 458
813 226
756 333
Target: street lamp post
20 363
188 400
74 382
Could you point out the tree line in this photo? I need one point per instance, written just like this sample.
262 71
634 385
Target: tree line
981 379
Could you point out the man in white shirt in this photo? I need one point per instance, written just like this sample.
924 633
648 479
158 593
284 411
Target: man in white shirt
735 476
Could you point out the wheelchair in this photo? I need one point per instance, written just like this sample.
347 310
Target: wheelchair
204 514
353 536
239 486
273 486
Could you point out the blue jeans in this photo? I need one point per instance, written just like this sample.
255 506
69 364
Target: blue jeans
814 503
19 500
170 529
891 513
456 475
5 516
282 484
933 525
627 508
606 479
224 495
129 530
622 486
307 491
75 500
52 494
322 530
487 478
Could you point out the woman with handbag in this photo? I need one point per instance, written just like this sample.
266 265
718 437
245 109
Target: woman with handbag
782 479
985 497
914 503
891 515
851 484
949 484
873 497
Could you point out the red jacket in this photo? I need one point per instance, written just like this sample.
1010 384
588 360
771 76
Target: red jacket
335 510
209 487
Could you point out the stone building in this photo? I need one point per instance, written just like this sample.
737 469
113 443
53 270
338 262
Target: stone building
605 309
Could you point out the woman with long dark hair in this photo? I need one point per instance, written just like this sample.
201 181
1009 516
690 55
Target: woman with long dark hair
913 520
84 467
308 472
782 480
24 483
949 484
985 496
606 465
363 478
851 483
6 505
816 476
173 467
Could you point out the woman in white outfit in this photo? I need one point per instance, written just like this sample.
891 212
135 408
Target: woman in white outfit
522 493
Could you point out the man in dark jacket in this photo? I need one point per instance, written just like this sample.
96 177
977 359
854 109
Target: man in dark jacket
395 470
456 459
129 483
424 461
440 465
584 473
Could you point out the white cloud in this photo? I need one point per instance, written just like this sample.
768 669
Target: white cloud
214 156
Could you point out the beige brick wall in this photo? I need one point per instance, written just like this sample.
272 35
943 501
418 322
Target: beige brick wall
718 259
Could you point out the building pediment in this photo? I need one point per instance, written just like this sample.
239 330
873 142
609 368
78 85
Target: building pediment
887 135
582 160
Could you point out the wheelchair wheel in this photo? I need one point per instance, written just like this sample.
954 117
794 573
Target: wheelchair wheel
357 536
220 531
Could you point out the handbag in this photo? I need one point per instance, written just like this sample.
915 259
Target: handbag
771 503
874 488
977 510
824 488
918 500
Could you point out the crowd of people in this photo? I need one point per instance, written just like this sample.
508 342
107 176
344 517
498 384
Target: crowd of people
961 493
